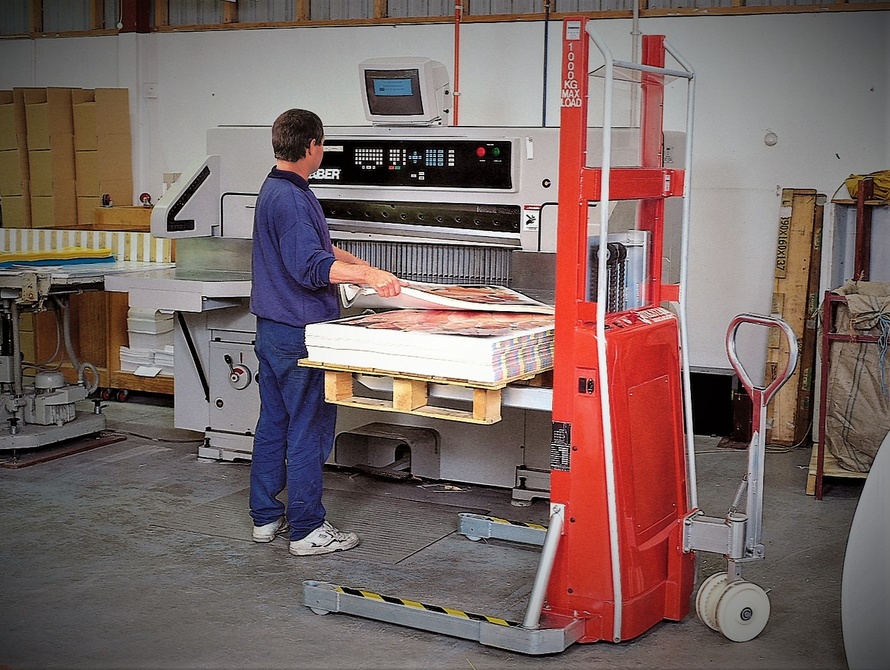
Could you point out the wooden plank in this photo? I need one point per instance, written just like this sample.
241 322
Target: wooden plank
831 469
806 367
337 385
411 396
408 394
447 413
28 457
791 299
545 375
162 384
487 405
136 219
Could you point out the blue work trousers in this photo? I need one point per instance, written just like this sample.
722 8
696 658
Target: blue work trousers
294 434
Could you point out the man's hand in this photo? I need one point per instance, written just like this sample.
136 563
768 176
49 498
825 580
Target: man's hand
385 283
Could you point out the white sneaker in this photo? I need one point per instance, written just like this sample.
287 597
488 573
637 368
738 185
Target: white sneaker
324 540
269 531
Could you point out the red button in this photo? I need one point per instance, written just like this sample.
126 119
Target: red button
480 152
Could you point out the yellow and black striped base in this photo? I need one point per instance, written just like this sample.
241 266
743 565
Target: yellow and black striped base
324 598
449 611
478 526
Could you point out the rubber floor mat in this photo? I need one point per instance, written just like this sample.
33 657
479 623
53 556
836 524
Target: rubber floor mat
391 529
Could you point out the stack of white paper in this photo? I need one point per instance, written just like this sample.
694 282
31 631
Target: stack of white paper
163 358
149 329
134 358
460 344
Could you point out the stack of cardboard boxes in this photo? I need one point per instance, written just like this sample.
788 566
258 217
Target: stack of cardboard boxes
51 157
15 194
102 152
61 150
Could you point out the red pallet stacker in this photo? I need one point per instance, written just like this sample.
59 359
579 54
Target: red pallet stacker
618 555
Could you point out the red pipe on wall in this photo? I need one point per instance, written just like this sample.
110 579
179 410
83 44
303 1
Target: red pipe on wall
455 88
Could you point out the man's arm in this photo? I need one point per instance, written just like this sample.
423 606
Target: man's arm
346 257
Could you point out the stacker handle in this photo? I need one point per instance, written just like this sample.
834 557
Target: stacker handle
762 393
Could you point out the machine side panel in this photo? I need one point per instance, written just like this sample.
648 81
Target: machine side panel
647 421
645 388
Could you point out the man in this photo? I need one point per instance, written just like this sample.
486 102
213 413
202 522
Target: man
295 270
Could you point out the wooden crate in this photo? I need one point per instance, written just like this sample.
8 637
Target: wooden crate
122 218
798 252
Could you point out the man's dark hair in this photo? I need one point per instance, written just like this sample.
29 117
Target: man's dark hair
293 132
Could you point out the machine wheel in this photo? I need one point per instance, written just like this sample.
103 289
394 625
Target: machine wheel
122 395
105 394
742 611
707 597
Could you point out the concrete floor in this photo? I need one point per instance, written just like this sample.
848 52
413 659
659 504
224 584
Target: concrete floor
124 557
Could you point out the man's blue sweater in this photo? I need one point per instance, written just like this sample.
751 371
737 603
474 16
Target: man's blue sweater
292 254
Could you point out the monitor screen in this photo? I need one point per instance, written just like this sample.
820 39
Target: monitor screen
405 91
394 92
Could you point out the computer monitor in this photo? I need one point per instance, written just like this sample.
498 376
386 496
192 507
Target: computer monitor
405 91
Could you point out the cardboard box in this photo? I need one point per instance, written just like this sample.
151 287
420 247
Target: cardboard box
115 157
86 132
86 165
116 168
48 112
120 191
13 172
113 111
49 168
16 211
13 127
103 111
8 132
55 211
86 209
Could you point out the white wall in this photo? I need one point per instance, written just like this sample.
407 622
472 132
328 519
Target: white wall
819 81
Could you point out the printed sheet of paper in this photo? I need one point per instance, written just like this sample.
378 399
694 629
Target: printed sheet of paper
419 295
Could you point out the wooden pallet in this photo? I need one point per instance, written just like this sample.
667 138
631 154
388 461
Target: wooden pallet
410 393
831 468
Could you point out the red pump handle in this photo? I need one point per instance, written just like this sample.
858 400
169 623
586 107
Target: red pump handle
772 322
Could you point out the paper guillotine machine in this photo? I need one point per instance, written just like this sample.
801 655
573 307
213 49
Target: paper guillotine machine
618 555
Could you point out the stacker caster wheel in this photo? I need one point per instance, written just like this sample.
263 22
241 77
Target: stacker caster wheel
319 612
742 611
707 597
122 395
105 394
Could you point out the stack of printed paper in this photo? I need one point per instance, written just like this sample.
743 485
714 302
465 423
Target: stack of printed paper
455 344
